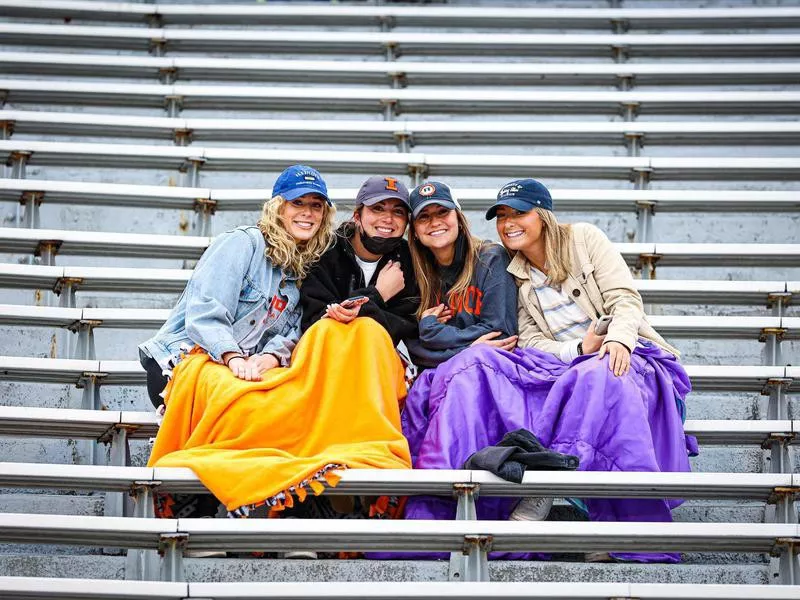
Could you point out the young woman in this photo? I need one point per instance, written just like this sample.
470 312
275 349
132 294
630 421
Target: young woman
615 400
259 420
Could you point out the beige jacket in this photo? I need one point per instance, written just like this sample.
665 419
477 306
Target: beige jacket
600 283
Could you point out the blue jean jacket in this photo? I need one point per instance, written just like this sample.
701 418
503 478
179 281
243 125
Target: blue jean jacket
235 294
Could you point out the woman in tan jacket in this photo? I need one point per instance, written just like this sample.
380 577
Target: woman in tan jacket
617 399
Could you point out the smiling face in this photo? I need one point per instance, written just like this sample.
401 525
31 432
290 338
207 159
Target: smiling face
384 219
519 230
436 227
303 216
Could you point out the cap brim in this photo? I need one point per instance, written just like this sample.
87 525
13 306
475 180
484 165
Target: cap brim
381 197
446 203
514 203
297 192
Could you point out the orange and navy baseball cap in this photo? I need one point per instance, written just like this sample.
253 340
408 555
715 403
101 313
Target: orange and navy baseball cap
377 188
432 192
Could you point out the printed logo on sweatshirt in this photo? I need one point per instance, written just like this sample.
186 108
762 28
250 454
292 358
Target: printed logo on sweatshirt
469 303
276 307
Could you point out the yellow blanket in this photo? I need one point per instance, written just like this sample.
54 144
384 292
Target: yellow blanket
250 443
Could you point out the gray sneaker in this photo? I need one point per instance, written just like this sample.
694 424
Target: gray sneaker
532 509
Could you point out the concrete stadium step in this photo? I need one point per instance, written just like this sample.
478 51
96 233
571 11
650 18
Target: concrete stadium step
280 570
210 158
408 16
594 200
405 43
405 73
350 99
390 132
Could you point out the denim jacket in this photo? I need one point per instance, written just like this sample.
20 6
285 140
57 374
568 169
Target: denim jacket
234 294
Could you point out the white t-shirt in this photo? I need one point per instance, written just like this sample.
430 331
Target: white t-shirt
368 268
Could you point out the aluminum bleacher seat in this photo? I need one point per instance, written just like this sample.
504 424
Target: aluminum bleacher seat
22 588
359 42
410 73
109 194
21 91
470 16
389 132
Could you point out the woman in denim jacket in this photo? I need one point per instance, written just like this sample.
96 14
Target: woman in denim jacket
241 305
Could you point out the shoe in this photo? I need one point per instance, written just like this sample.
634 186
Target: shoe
598 557
305 554
532 509
205 554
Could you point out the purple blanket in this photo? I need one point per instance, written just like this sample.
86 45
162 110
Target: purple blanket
630 423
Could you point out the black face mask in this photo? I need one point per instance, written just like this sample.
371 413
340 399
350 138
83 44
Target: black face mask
379 245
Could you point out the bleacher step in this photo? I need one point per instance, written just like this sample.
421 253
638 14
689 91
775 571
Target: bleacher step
218 569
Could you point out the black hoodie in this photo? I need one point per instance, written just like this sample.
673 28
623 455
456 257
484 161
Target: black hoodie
337 276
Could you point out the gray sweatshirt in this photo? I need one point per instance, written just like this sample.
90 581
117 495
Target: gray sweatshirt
491 306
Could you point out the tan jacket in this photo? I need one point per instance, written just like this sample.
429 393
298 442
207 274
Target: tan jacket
600 283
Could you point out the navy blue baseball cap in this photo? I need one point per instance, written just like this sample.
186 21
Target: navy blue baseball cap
377 188
432 192
522 195
299 180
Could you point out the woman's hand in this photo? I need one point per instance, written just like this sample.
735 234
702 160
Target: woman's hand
438 311
591 341
490 339
344 315
244 369
391 280
619 357
264 362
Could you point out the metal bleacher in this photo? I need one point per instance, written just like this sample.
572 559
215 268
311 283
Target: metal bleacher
133 133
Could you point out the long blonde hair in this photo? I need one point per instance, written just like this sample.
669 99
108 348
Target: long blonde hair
283 250
557 246
427 273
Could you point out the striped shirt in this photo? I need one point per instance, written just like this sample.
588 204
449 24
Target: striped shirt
567 321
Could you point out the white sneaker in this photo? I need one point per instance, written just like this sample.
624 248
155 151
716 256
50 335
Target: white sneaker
307 554
532 509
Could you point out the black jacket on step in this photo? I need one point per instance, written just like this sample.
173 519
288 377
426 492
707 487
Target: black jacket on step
337 276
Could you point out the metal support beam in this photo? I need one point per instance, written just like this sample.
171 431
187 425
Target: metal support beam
634 141
404 141
173 105
645 210
65 288
392 52
778 407
18 161
389 108
158 47
647 265
783 501
772 338
466 565
625 83
205 209
84 344
785 565
192 170
30 202
386 23
6 129
143 565
620 53
118 504
398 80
620 25
780 458
182 137
417 173
171 547
46 250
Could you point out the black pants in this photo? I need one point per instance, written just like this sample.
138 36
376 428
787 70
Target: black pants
156 380
174 505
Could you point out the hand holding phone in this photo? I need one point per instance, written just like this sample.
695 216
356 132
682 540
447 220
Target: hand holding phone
601 327
353 302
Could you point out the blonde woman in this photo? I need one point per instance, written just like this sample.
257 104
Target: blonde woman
254 413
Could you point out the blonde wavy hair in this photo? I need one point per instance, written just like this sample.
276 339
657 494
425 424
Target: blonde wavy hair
557 246
283 250
427 274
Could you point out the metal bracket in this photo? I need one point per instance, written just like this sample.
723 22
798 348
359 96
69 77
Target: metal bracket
404 140
171 547
157 47
205 208
647 265
386 23
65 287
778 332
47 250
641 177
84 345
389 108
645 210
775 383
173 104
392 51
18 160
620 25
6 128
399 79
625 82
31 201
182 137
778 301
168 75
629 110
620 52
476 562
780 458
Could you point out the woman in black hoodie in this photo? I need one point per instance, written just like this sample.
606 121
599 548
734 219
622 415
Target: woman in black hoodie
371 259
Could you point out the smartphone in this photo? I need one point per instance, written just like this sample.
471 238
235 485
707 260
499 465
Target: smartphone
601 327
353 302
